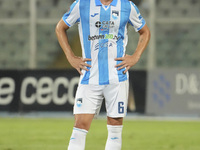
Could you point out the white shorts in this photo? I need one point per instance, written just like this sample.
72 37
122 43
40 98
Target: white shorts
89 98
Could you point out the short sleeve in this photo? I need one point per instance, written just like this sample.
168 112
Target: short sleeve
72 16
135 18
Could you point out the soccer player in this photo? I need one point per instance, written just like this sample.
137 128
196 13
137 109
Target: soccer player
104 65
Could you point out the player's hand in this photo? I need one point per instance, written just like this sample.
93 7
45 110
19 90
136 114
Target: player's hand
79 63
127 62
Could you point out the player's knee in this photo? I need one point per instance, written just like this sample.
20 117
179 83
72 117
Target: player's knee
83 121
114 121
82 125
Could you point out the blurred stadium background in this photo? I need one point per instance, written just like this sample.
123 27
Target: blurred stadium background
27 27
167 74
36 77
28 43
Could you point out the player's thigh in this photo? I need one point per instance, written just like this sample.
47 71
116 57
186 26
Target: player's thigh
116 98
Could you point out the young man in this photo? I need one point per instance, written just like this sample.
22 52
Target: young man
103 66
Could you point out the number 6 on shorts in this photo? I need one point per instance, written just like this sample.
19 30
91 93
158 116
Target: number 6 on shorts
121 107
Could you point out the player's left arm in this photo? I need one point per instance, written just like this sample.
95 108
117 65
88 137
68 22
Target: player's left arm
130 60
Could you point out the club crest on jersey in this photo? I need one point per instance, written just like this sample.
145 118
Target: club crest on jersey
79 102
115 14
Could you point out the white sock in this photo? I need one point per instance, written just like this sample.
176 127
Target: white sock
77 141
114 140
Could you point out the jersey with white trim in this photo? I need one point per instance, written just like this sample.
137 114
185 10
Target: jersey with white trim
103 36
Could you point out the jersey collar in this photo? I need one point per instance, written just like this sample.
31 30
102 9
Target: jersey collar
98 3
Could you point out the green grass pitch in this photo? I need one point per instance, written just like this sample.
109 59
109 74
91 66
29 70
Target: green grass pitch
53 134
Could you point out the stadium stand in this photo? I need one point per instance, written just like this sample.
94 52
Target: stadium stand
52 8
177 8
177 44
14 9
47 45
14 46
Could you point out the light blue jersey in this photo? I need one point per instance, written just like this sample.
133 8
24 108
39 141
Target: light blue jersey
103 36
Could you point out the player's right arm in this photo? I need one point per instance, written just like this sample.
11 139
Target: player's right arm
77 62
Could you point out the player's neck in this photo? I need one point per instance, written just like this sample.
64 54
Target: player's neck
106 2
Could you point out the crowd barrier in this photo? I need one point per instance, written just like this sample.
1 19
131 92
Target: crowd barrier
155 92
54 90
